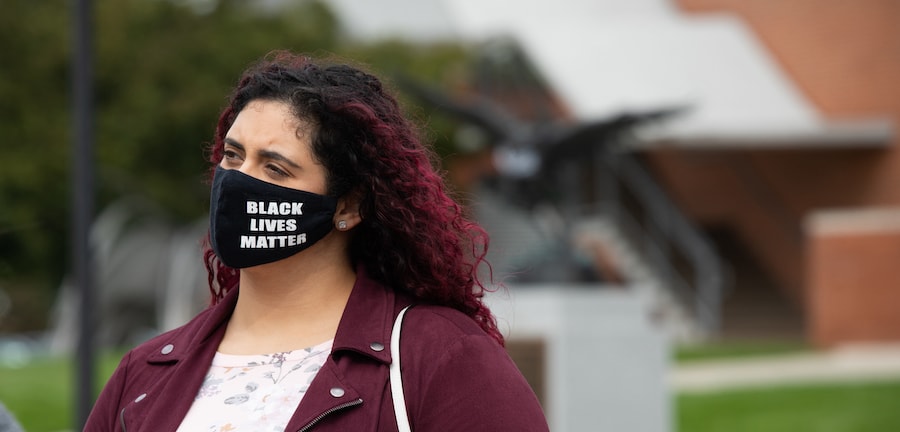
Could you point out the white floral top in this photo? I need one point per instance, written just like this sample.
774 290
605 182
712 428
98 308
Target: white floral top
254 392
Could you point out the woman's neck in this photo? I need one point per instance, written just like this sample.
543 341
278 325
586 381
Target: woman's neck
289 304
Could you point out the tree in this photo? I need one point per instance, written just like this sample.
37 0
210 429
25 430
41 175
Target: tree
163 70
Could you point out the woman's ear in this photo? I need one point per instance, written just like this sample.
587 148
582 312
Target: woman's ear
347 216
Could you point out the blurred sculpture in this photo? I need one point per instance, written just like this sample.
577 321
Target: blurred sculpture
148 277
8 423
523 202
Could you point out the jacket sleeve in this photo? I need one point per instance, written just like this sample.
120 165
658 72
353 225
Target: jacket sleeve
474 386
105 413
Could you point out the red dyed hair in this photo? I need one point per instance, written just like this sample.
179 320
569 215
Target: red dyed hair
413 236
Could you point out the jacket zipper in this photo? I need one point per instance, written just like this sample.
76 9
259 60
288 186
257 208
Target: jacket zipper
326 413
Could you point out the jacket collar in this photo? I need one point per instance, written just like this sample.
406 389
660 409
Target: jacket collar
210 324
364 328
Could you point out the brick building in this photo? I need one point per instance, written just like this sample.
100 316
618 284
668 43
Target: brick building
820 220
788 157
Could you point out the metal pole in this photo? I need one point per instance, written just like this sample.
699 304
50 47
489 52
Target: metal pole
83 203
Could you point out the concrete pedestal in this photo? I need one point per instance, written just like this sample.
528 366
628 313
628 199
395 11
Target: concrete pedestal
605 363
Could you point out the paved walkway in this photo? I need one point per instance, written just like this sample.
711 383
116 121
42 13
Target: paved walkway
849 363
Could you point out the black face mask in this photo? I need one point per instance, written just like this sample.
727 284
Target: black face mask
252 222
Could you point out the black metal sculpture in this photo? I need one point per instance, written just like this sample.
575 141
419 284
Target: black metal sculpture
534 163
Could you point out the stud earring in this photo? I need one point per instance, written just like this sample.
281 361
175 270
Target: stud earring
342 225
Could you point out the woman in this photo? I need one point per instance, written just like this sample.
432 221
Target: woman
326 220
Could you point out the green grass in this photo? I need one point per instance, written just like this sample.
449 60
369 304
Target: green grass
850 407
40 394
737 349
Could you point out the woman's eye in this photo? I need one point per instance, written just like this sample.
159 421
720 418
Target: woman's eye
276 171
230 154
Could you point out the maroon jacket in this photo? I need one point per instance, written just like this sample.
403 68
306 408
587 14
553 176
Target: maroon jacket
455 377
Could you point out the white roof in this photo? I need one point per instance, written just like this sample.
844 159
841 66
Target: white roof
606 57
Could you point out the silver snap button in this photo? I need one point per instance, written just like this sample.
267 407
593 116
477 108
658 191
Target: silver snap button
140 398
167 349
377 346
337 392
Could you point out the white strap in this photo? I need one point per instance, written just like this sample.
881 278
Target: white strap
396 379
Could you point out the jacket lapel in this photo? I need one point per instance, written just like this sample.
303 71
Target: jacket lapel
185 358
356 371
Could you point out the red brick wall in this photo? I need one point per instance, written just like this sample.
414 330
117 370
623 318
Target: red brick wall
764 195
853 260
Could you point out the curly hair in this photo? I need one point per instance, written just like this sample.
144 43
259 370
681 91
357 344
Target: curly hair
413 236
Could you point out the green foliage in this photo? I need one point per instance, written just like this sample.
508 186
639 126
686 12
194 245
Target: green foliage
34 129
857 407
162 74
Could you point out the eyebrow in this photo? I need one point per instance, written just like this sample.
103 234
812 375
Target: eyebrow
265 154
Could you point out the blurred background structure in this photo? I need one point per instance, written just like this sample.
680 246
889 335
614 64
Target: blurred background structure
781 152
654 173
